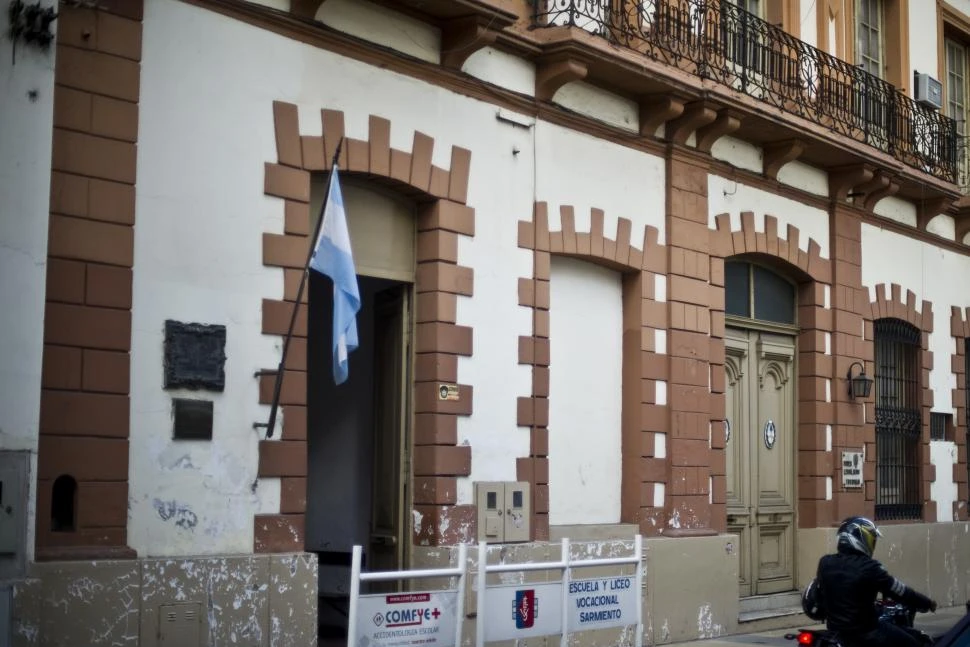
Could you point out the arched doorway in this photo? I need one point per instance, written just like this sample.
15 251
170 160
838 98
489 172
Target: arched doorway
359 434
761 329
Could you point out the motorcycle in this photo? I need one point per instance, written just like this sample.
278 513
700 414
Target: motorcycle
890 611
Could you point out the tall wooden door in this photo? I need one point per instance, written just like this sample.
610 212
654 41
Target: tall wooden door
391 413
761 457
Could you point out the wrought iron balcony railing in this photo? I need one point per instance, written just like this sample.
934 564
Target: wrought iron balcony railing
717 40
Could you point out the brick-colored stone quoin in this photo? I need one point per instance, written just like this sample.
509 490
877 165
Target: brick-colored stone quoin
960 330
442 217
639 265
891 303
800 260
84 413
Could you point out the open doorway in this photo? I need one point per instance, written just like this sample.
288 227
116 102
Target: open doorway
357 440
358 433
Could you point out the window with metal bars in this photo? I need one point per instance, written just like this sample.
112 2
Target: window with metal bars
941 426
899 420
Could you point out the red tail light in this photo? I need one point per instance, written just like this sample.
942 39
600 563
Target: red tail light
806 638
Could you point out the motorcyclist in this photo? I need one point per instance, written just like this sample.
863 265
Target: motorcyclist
848 583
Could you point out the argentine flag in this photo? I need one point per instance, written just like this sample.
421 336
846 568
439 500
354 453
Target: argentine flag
333 257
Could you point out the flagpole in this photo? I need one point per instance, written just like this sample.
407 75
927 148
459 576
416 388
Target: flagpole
299 296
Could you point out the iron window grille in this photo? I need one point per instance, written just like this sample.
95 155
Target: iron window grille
941 425
898 420
725 43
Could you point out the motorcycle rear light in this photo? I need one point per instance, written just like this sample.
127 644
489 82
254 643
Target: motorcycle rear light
806 638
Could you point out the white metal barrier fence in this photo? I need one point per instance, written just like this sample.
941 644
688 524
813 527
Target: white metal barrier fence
407 618
606 599
505 611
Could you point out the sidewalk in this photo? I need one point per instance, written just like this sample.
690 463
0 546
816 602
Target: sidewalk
935 624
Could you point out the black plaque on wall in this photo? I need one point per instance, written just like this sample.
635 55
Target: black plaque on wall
193 419
195 356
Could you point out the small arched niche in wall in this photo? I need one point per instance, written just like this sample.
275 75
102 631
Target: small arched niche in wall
64 504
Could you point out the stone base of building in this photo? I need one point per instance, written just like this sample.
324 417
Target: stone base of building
691 583
690 589
268 600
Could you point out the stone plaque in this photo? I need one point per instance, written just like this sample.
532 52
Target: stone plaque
195 356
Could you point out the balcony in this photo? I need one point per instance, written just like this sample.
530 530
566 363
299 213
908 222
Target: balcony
719 42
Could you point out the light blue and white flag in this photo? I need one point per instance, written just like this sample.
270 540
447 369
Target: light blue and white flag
333 257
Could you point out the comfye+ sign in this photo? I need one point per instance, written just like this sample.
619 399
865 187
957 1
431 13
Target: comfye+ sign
407 619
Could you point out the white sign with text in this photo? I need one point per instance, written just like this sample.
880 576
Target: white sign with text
403 619
602 602
852 469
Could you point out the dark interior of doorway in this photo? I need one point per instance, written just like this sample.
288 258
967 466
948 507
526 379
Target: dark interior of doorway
340 441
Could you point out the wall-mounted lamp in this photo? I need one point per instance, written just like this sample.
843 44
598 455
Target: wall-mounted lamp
860 386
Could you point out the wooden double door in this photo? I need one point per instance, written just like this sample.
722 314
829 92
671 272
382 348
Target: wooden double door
760 448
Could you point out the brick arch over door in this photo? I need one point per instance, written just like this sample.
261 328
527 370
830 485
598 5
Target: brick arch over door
817 380
642 317
443 216
960 330
889 304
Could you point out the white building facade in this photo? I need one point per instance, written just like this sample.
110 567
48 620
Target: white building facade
628 259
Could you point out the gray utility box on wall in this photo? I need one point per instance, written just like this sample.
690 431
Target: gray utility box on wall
504 511
14 473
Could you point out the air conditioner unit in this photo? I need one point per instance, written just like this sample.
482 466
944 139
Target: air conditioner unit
929 91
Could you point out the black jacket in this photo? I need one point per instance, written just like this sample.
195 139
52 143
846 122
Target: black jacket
849 583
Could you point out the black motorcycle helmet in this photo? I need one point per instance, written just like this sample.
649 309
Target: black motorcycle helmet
812 602
858 535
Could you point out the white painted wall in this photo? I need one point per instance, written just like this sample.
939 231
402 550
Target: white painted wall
25 173
739 153
502 69
585 172
923 54
585 393
897 209
201 155
213 186
198 260
279 5
596 103
383 26
804 177
728 196
943 454
942 225
931 273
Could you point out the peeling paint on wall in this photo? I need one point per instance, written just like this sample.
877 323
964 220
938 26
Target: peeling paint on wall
250 600
706 627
